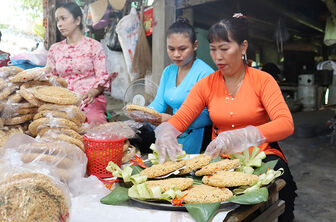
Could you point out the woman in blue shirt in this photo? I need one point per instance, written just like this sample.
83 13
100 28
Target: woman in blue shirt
177 79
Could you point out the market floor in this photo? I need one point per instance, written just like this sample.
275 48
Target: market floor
312 160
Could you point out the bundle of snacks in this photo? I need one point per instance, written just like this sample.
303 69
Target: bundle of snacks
58 122
129 152
7 132
142 113
63 160
31 196
19 105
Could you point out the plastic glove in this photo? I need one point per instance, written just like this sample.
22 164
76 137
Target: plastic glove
234 141
166 141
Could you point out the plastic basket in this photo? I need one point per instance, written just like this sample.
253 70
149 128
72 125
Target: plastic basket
100 153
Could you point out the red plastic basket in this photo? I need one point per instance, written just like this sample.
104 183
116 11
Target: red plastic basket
100 153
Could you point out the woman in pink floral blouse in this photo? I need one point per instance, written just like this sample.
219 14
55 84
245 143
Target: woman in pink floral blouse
81 62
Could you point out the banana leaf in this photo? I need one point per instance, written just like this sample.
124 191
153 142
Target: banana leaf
197 180
253 197
117 196
202 212
264 167
136 169
216 159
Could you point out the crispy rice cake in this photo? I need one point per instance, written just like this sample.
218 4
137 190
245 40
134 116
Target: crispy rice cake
206 194
218 166
162 169
181 183
230 179
195 163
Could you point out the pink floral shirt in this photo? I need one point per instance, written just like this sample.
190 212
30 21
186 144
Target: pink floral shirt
81 65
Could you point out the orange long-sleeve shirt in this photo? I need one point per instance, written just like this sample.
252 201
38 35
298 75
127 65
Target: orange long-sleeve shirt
258 102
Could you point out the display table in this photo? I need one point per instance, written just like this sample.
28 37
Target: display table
87 207
262 212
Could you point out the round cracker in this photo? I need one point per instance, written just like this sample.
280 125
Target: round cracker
55 94
27 94
15 98
26 110
62 82
4 93
31 74
39 124
206 194
51 148
129 154
21 105
47 131
34 199
67 139
195 163
3 83
59 161
134 107
56 114
230 179
162 169
218 166
9 71
19 119
72 110
166 184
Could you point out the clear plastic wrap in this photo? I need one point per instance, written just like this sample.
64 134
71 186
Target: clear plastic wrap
60 159
27 195
143 114
71 110
111 131
38 73
31 175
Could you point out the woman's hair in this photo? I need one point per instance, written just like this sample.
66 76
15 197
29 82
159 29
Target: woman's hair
182 26
75 11
236 27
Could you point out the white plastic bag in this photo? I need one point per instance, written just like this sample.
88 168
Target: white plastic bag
115 62
128 33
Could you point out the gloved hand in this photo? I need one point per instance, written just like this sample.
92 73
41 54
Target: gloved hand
166 141
234 141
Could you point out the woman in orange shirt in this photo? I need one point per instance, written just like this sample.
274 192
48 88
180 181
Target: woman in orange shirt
245 105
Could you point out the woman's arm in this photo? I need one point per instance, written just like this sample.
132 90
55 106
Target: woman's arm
103 78
281 124
51 62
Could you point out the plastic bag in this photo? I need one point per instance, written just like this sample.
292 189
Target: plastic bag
111 131
26 195
31 174
128 31
115 62
59 159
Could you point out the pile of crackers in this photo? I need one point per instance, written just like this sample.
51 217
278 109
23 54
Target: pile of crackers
39 103
217 178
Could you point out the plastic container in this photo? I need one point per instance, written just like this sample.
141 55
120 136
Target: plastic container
100 153
306 80
307 96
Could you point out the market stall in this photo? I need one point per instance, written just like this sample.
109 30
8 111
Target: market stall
45 139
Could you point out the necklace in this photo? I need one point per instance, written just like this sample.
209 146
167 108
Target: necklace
233 91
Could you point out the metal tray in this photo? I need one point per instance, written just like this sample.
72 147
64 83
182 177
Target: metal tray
163 205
